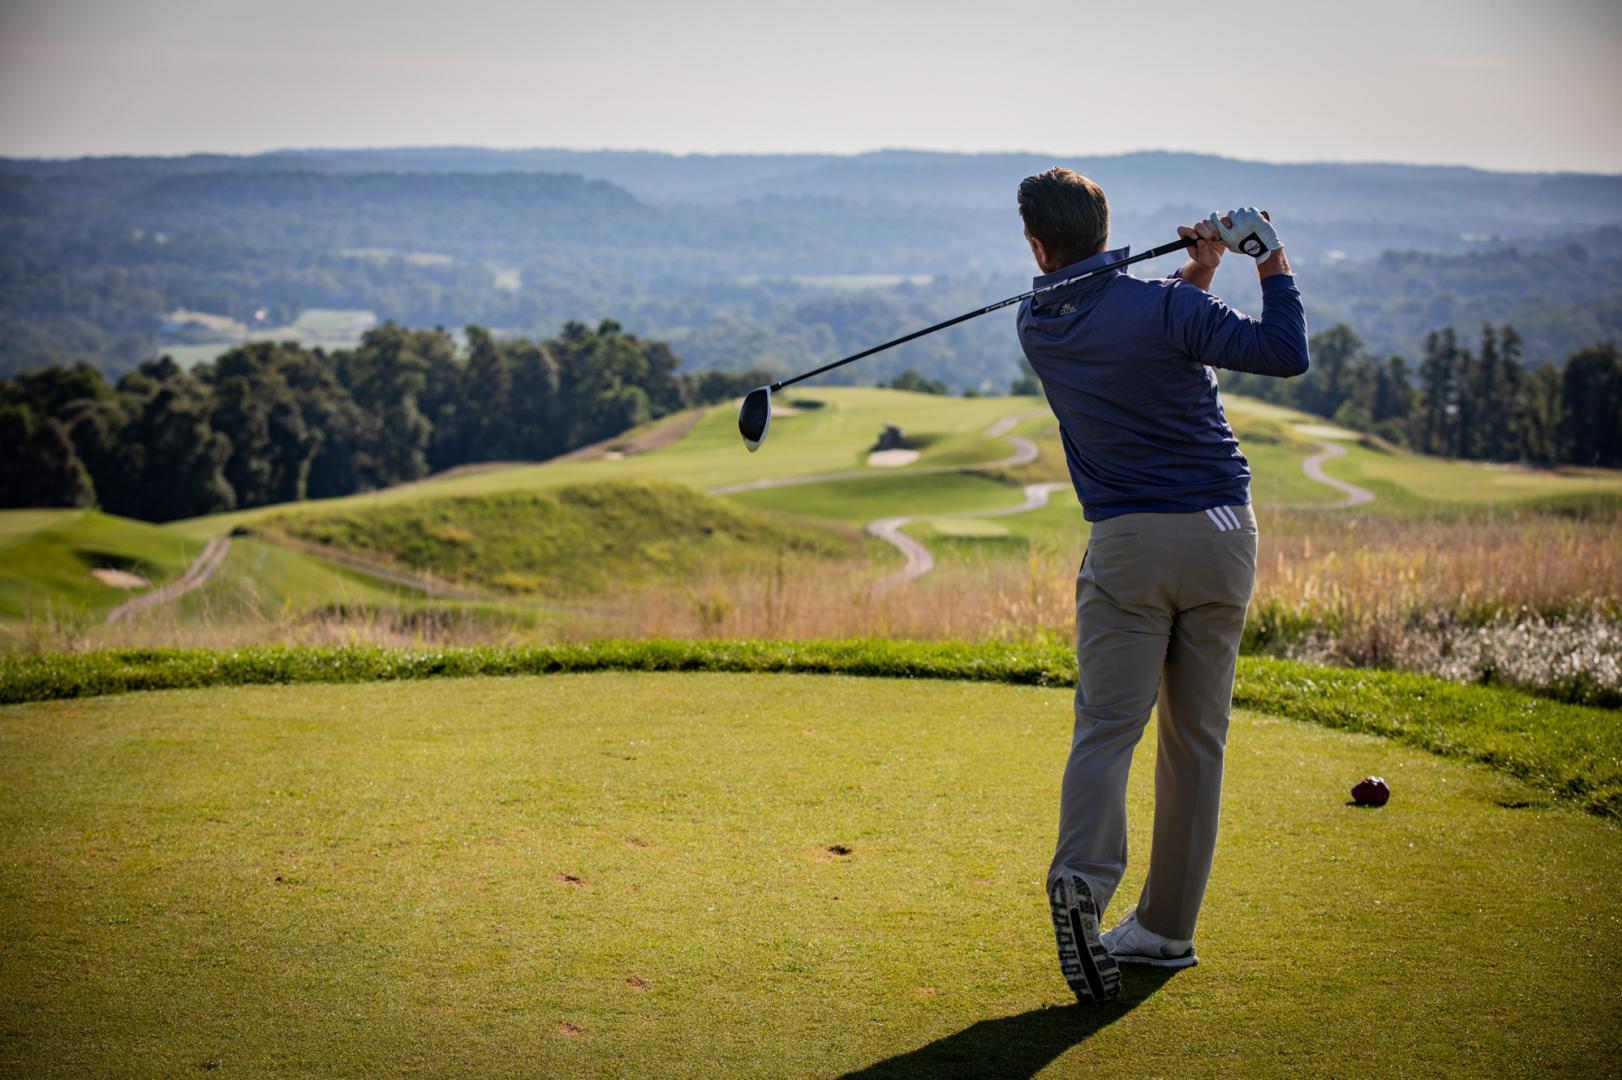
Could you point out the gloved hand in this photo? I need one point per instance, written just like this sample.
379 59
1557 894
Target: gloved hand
1248 231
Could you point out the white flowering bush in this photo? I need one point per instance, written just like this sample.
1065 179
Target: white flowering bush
1574 657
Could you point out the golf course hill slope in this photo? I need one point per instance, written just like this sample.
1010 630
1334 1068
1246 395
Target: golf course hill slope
82 561
571 540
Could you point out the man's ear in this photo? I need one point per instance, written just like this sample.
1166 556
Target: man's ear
1040 252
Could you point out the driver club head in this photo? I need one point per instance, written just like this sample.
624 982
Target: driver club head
754 417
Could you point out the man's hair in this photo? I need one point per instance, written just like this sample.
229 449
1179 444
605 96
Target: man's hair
1067 212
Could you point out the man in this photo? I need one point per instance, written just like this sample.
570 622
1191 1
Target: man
1161 596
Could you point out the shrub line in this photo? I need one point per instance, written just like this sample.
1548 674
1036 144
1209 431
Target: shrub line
1573 752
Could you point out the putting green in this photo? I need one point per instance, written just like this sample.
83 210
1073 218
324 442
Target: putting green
641 875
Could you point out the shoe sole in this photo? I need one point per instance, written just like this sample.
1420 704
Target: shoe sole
1087 965
1187 960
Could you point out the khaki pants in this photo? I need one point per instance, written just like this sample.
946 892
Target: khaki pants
1160 605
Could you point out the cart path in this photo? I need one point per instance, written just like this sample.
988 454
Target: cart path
1313 469
919 559
201 569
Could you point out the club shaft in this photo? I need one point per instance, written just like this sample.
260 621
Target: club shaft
1152 253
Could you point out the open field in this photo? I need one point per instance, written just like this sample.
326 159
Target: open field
676 875
1457 569
329 328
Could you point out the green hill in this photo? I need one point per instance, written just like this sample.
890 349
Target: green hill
573 540
829 429
48 560
635 513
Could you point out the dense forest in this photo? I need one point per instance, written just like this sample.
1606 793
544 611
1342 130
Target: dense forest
1483 404
781 262
276 422
270 423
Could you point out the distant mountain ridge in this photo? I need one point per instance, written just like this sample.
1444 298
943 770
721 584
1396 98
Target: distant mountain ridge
906 176
1360 210
743 260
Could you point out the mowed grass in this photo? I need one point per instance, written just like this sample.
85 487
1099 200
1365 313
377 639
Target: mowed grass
1570 752
46 559
731 875
834 432
260 578
573 540
1412 483
858 501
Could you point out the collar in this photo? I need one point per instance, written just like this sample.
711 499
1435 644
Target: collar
1103 258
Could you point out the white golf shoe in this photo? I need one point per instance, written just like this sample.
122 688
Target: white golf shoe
1132 943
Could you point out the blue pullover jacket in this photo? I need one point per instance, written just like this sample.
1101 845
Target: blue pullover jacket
1126 366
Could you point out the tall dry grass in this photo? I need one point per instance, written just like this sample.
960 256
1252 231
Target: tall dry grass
1536 601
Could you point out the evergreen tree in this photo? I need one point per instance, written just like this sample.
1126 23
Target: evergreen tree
1393 393
1461 403
1329 383
1591 405
1540 436
1502 400
1434 432
487 432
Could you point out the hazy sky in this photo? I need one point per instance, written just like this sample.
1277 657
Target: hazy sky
1522 85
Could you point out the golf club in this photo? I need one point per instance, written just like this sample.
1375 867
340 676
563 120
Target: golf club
755 416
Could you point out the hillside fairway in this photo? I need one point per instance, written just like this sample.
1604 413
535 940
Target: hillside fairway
47 559
763 875
572 540
827 429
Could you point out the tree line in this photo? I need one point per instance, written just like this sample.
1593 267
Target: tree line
276 422
1482 403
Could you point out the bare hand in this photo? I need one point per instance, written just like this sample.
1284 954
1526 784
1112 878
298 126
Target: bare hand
1208 249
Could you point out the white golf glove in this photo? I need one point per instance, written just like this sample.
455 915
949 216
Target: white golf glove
1250 234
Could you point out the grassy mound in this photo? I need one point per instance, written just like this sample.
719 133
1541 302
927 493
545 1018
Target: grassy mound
567 541
47 558
1569 751
730 875
832 432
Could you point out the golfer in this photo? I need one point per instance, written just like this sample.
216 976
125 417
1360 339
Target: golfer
1126 365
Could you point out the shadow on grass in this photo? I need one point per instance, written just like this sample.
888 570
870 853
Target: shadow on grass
1018 1047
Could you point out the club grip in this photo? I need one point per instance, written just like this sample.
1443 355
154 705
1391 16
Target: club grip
1177 245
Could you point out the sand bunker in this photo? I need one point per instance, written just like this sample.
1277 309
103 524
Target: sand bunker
890 459
120 579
